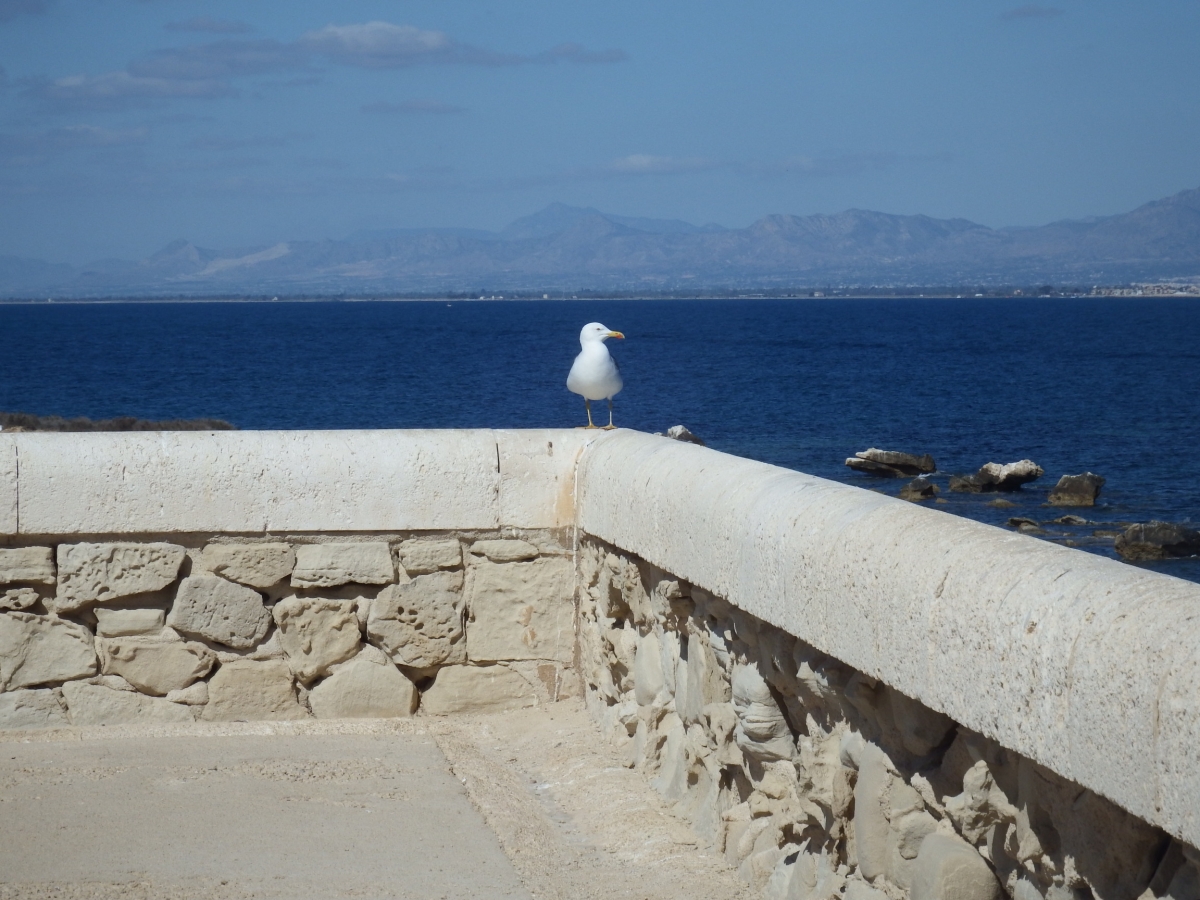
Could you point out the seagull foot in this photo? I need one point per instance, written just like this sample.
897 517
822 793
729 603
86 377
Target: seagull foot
609 428
588 427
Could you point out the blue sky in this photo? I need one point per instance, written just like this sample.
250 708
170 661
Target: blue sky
125 124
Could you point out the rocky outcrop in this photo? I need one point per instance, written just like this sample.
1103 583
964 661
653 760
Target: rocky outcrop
477 689
316 634
423 556
891 463
155 665
919 489
1077 490
98 573
250 691
330 565
420 624
521 610
43 650
367 687
26 565
1157 540
220 611
254 565
995 477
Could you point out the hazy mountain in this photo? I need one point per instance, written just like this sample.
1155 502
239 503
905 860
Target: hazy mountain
571 248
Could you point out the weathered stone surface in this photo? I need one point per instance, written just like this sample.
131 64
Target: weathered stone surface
28 565
683 433
154 665
420 624
121 622
995 477
31 709
364 688
419 557
18 598
477 689
42 649
648 677
500 551
1077 490
891 463
210 607
97 573
948 868
97 704
919 489
521 610
252 691
762 731
1157 540
328 565
1025 526
256 565
193 695
316 634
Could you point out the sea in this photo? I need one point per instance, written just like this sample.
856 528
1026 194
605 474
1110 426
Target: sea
1107 385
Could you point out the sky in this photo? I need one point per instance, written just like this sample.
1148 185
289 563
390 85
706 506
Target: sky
126 124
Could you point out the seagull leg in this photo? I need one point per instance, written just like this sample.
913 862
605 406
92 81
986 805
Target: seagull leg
610 426
588 404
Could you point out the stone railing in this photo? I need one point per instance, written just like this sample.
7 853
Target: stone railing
848 695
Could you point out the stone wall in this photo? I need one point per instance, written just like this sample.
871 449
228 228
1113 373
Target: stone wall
176 628
819 781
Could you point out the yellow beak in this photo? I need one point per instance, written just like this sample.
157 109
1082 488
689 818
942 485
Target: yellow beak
616 334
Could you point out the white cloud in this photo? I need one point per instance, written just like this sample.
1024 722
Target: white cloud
382 45
208 25
119 89
647 164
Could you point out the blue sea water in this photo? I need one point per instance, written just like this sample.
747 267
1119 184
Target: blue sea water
1106 385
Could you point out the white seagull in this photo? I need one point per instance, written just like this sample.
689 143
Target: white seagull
594 374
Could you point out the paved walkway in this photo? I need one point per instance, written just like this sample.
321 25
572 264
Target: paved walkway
525 805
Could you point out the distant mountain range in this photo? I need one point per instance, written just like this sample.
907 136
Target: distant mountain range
564 248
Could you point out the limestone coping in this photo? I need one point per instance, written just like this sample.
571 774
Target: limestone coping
1086 665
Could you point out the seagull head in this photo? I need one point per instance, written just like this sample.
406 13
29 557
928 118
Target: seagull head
594 331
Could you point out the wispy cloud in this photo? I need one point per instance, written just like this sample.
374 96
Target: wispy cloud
648 164
208 25
34 147
1032 11
207 70
10 9
412 107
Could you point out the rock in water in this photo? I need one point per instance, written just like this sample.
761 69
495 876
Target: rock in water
891 463
681 433
1157 540
995 477
919 489
1025 526
1077 490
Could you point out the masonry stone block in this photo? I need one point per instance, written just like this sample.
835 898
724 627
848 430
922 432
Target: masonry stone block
98 573
330 565
155 664
210 607
421 556
364 688
316 634
477 689
249 691
420 624
31 709
98 704
521 610
18 598
255 565
507 550
29 565
43 650
122 622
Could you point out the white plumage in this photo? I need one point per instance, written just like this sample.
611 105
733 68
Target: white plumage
594 374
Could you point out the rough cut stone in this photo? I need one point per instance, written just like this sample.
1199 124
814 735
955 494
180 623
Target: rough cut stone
42 649
31 709
505 550
256 565
328 565
121 622
18 598
521 610
210 607
153 665
919 489
420 624
995 477
1157 540
97 573
248 691
26 565
1077 490
194 695
762 731
948 868
891 463
364 689
316 634
477 689
97 704
420 557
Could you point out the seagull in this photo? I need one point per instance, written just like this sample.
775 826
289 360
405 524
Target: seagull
594 374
